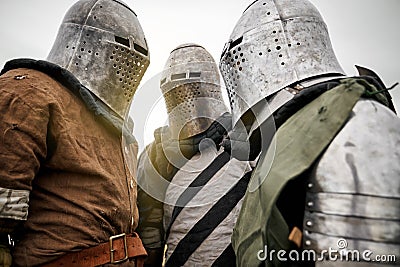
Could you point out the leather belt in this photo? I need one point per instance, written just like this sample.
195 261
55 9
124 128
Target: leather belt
120 248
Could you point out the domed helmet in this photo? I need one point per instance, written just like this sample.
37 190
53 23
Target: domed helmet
191 88
273 45
102 43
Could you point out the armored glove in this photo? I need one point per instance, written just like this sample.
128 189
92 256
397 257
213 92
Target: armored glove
215 132
242 146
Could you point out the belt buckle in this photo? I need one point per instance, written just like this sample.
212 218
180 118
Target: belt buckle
112 250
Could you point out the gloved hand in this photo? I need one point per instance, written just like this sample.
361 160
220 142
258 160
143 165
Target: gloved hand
244 147
5 256
167 155
220 127
237 144
174 149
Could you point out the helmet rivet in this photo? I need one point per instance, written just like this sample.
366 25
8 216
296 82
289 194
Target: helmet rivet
19 77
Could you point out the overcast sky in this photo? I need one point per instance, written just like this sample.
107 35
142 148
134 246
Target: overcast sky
363 32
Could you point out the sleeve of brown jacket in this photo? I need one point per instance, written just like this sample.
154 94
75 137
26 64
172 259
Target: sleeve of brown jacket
23 128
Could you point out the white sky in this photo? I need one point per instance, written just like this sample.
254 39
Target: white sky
363 32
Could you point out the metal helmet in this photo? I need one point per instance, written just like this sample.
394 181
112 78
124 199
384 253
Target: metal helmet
191 88
102 43
274 44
